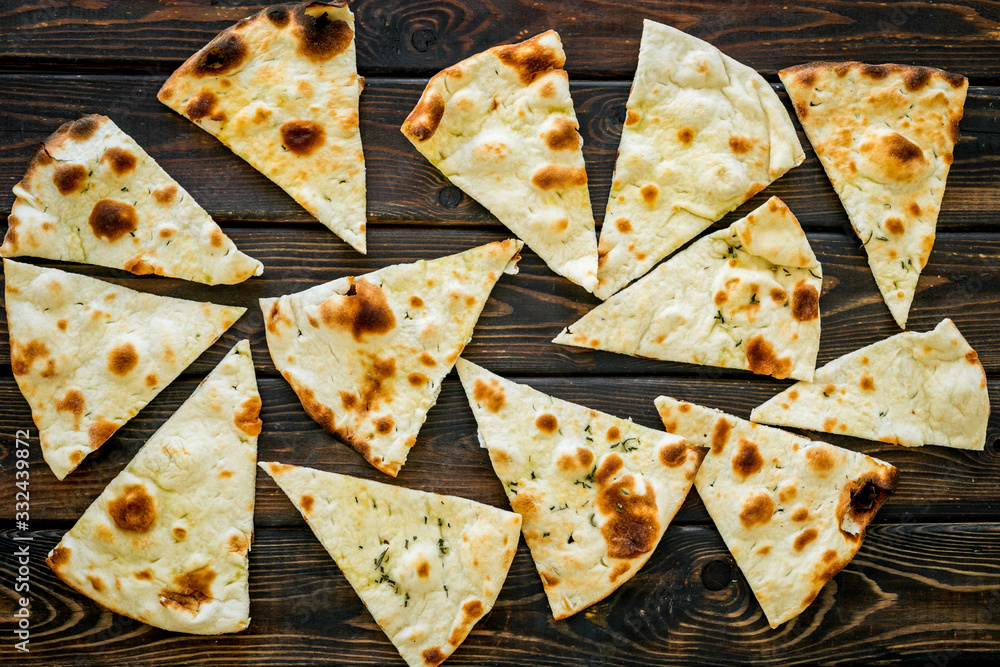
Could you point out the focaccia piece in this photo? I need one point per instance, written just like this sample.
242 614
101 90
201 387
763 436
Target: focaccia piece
595 492
167 541
744 297
281 90
366 355
88 355
792 511
885 136
501 126
703 134
911 389
91 194
428 567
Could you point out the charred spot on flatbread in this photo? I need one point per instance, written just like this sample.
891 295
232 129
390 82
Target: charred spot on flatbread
222 56
362 310
69 178
190 590
302 137
530 58
111 219
133 509
321 38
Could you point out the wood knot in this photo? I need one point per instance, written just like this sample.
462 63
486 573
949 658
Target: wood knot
716 575
423 39
450 197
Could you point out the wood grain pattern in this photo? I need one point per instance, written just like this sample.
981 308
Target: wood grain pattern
526 311
402 186
936 483
925 588
688 605
601 39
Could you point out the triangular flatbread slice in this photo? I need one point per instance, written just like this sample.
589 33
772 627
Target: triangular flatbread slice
88 355
166 543
792 511
91 194
744 297
428 567
281 90
595 492
501 126
911 389
366 355
885 136
703 134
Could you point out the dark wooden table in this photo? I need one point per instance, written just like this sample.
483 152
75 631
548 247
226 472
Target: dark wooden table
925 587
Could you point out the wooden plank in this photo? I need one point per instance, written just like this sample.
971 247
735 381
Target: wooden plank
936 483
402 186
526 311
915 593
600 39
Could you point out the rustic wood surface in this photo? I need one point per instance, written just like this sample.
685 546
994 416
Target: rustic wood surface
925 587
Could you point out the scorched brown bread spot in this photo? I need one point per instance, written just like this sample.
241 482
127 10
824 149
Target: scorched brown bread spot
820 459
190 592
805 302
547 423
720 435
122 359
134 509
763 360
530 59
203 105
801 514
581 458
861 498
623 225
69 178
72 403
96 583
649 193
238 543
99 432
306 501
613 434
423 121
916 78
320 38
562 135
972 357
489 394
747 460
553 176
740 145
277 15
60 556
433 656
302 137
363 310
165 194
179 532
631 523
321 414
112 220
23 357
685 135
222 56
120 160
384 425
83 128
247 416
609 467
757 510
804 538
673 455
144 575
